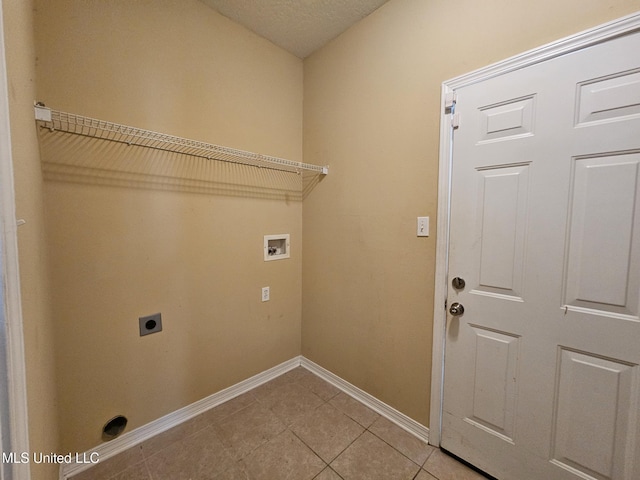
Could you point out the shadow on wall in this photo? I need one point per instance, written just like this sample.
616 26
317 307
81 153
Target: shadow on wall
73 158
309 182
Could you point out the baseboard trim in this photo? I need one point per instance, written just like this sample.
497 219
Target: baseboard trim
145 432
390 413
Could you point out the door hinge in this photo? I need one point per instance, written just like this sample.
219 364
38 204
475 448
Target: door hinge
455 120
450 101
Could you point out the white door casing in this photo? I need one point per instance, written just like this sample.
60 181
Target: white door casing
546 352
13 411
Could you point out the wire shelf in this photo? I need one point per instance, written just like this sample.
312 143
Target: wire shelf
91 127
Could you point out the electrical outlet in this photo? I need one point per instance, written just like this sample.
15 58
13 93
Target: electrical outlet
265 294
150 324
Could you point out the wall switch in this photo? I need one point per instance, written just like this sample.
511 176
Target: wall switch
423 227
265 294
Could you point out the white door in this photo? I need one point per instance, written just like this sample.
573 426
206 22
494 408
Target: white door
541 370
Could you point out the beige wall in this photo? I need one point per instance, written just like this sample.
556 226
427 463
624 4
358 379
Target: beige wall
134 231
37 319
371 110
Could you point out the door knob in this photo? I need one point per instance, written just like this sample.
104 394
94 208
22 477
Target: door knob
456 309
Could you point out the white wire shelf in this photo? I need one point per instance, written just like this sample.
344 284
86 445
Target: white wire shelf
55 120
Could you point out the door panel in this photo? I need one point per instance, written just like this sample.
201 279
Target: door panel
610 98
603 212
494 395
502 202
541 370
593 395
509 119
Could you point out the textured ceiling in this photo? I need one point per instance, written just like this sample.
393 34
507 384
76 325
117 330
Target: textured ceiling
298 26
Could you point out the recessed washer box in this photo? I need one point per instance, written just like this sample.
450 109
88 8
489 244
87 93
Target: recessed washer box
276 247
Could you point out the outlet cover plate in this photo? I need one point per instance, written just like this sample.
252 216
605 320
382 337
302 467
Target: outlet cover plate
150 324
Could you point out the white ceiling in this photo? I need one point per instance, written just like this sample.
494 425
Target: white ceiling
298 26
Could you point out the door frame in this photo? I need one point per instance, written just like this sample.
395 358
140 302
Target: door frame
13 411
566 45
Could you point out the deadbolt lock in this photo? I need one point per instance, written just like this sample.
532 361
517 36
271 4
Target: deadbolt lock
458 283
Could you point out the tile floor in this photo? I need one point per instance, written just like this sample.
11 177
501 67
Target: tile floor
295 427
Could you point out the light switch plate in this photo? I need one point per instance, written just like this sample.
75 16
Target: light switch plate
423 227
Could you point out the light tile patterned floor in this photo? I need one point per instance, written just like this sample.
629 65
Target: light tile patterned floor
295 427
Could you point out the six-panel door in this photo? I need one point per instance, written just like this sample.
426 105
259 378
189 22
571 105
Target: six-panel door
541 370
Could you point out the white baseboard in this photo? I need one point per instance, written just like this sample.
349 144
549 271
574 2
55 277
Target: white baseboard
390 413
145 432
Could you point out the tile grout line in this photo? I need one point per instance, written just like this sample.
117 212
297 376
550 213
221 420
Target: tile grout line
309 447
420 466
324 402
365 429
146 467
403 421
327 402
347 447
